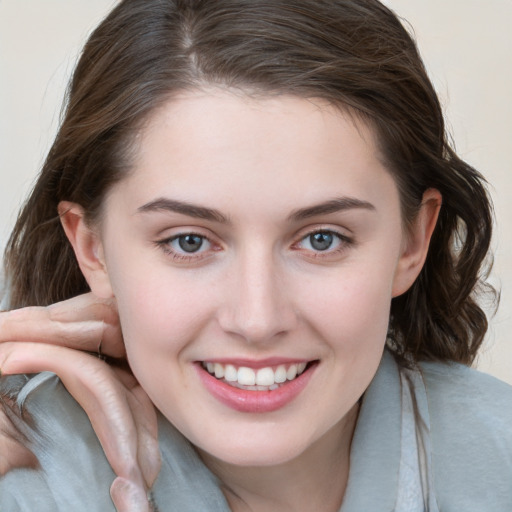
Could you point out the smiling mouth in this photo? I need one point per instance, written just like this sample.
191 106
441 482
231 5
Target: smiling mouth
268 378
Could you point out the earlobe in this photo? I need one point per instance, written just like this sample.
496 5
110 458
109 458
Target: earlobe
88 248
416 246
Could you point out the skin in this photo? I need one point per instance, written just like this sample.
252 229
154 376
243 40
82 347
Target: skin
257 288
55 339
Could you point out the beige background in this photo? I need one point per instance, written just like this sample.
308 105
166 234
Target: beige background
466 44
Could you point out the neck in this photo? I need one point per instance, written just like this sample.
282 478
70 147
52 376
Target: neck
315 480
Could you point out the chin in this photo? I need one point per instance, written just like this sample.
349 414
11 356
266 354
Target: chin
250 452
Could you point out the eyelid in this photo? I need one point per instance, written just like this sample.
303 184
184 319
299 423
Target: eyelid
324 228
164 244
345 241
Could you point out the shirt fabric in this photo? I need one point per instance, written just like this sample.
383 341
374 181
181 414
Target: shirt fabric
435 438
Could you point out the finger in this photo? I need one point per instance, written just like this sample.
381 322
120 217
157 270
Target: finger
148 450
95 387
34 324
84 323
87 307
13 452
145 419
128 497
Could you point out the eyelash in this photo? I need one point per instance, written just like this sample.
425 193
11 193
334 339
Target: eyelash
344 242
165 245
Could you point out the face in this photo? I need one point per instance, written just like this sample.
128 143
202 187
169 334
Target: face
254 251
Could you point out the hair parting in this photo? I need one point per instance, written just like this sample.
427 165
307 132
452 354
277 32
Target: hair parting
355 54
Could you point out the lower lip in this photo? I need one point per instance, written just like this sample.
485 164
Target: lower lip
255 401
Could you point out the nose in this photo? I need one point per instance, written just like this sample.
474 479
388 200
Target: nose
257 305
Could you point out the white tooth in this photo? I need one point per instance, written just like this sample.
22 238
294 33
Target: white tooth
230 373
280 375
292 372
210 367
246 376
300 368
219 370
265 377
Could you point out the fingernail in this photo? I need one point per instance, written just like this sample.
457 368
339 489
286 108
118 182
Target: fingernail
128 496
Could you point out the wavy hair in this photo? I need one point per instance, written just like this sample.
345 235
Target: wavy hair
353 53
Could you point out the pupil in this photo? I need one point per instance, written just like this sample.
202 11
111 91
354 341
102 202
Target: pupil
190 243
321 241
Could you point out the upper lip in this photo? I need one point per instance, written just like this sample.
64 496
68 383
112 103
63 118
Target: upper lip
257 363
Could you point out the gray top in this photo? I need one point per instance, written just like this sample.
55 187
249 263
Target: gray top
438 438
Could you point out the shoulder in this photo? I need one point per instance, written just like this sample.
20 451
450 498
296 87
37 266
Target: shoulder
471 434
468 392
73 473
478 400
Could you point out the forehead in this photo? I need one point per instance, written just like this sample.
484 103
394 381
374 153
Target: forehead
224 117
215 143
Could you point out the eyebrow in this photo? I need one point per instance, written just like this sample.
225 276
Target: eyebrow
163 204
332 206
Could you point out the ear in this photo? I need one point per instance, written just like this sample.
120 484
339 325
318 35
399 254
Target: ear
88 248
417 240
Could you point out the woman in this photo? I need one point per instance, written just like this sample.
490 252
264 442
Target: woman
250 183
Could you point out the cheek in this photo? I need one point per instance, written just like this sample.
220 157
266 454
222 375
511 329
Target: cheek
160 311
351 306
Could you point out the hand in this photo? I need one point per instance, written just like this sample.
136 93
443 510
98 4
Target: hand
57 339
81 323
13 452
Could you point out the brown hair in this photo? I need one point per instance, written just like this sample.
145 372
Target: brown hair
353 53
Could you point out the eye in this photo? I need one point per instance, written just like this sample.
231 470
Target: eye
186 247
323 241
189 243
